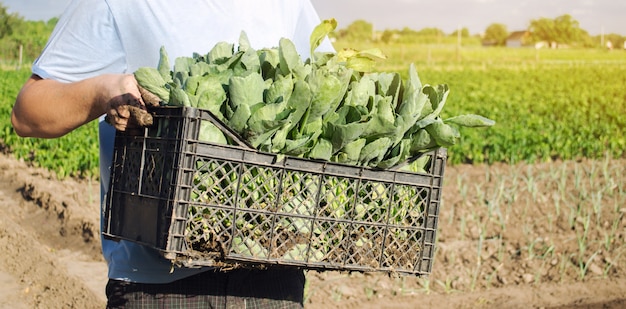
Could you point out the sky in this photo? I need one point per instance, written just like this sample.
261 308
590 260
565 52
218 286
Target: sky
595 16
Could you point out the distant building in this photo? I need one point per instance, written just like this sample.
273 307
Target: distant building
518 39
489 43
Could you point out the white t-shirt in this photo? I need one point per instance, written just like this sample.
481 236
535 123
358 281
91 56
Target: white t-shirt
95 37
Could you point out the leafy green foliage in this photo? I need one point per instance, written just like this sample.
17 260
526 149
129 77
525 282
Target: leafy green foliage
75 154
330 107
344 104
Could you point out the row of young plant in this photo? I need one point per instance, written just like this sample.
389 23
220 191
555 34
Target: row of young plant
525 225
542 113
564 220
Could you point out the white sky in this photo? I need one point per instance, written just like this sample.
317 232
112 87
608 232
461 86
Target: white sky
595 16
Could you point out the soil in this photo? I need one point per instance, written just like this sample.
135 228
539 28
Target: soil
49 236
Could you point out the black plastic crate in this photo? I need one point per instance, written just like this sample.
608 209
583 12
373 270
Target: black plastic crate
207 204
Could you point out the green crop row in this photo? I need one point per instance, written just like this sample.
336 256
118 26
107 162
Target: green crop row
75 154
542 113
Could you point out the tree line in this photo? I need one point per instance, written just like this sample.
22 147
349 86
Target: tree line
563 30
20 38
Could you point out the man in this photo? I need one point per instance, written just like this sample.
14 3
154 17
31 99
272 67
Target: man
85 72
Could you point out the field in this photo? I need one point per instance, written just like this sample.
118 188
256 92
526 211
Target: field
532 213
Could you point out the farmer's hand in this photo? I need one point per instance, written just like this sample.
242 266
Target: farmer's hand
47 108
125 108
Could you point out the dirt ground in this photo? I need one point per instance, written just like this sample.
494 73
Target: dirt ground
49 239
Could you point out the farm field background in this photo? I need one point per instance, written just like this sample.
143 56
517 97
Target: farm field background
532 212
548 104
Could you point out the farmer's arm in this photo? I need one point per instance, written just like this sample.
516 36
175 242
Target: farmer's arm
47 108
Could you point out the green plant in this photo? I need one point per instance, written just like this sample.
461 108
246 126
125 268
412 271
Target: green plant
75 154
